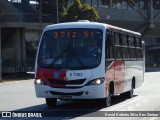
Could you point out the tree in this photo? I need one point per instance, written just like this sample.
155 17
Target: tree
88 13
78 11
50 7
63 5
74 12
105 2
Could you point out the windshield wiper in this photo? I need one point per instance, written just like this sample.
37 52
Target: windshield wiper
53 62
67 54
79 60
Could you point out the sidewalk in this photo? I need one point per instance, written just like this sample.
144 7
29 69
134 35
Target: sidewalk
17 77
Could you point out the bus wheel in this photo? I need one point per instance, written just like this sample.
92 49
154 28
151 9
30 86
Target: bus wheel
130 93
107 101
51 102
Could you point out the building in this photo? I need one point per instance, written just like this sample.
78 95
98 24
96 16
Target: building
21 23
138 15
20 29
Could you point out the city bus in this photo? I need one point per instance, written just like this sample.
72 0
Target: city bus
88 60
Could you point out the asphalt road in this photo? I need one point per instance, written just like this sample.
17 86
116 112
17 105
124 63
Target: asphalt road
20 96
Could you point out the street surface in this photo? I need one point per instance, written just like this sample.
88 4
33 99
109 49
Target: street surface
20 96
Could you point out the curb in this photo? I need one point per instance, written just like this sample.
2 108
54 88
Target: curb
15 82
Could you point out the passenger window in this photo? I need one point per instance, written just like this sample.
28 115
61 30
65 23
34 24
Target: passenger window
124 40
138 42
133 53
131 41
139 53
118 52
117 39
109 45
125 51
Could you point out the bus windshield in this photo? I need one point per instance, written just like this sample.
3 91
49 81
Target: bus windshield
77 48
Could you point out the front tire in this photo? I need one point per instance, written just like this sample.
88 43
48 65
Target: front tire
51 102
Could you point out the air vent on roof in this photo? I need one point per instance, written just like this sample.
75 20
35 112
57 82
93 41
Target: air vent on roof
83 21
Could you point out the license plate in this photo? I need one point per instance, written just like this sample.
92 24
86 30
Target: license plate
65 97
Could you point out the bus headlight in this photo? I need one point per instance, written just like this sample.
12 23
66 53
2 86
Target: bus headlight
38 82
96 81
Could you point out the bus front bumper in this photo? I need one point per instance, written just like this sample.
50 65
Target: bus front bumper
85 92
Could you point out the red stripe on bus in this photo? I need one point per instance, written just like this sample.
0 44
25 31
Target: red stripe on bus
116 73
47 75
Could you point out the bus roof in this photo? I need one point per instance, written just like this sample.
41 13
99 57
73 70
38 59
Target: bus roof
88 24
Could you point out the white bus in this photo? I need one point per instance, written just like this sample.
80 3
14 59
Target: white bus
88 60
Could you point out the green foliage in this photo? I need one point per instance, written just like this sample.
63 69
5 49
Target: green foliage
106 2
88 13
50 7
78 11
74 12
63 4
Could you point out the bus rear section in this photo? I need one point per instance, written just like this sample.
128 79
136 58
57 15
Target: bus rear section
124 61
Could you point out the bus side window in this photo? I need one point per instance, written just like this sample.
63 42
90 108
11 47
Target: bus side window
109 45
125 47
138 42
118 47
131 41
117 38
124 40
139 53
132 47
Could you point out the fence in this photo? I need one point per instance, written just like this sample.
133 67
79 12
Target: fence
20 65
26 17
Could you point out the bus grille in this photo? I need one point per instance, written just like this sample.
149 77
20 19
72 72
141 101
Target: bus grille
61 93
64 82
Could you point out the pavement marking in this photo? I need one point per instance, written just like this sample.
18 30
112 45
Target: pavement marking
145 100
15 82
122 110
129 102
137 104
153 118
131 108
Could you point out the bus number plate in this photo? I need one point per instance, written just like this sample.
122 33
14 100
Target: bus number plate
65 97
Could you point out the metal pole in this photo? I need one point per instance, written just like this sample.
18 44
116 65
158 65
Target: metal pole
151 11
57 12
40 12
40 18
151 25
146 18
